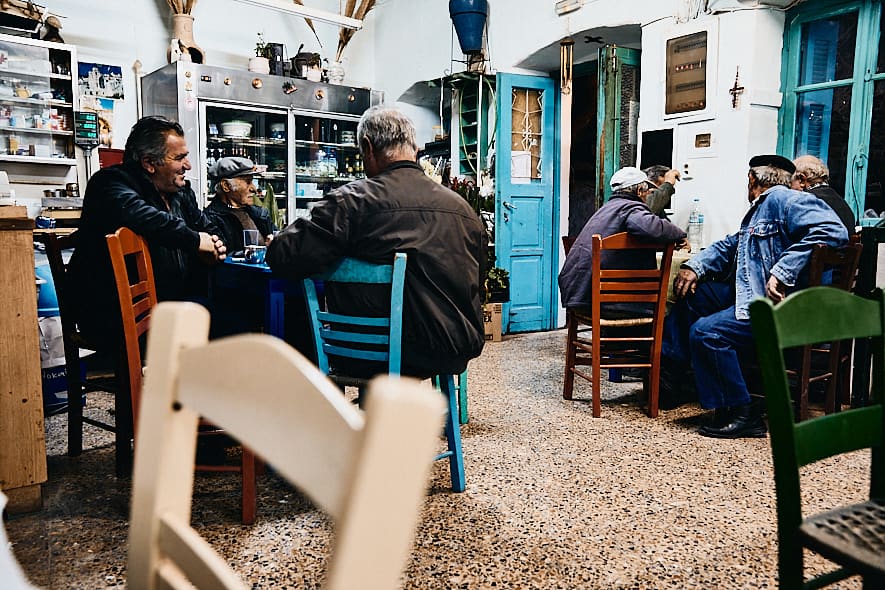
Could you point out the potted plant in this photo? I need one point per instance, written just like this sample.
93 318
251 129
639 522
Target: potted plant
260 64
497 285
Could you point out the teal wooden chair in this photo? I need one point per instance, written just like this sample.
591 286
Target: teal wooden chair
851 536
375 342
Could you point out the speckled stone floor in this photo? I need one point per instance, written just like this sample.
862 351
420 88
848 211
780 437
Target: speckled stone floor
554 499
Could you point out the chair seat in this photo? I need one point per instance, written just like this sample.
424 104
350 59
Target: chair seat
852 534
585 318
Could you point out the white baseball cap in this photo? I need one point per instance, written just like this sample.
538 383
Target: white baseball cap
627 177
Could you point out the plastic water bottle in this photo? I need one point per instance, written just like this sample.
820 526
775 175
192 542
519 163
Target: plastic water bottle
696 226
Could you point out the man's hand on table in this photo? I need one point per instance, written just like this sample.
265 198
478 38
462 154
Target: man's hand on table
212 249
683 245
686 282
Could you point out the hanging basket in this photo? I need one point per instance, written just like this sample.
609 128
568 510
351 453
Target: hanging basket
469 18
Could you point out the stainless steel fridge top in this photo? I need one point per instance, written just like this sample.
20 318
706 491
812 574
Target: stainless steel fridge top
197 81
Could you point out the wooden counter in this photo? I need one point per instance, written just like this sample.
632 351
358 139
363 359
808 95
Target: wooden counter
22 443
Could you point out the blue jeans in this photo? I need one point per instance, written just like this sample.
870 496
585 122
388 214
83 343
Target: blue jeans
702 330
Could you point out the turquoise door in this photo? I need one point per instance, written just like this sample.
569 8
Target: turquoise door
524 220
834 95
617 115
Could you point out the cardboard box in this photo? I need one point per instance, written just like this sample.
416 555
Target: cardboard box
491 319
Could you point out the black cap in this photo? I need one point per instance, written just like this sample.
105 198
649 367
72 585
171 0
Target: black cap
773 160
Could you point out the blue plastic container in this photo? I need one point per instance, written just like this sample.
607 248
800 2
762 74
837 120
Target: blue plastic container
469 18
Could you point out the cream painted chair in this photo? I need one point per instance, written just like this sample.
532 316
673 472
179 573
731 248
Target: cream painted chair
11 575
368 471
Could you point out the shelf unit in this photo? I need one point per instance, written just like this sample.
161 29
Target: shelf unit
38 98
473 118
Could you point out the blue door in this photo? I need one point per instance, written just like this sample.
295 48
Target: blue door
524 229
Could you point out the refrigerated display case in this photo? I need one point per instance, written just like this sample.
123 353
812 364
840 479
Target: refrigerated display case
301 134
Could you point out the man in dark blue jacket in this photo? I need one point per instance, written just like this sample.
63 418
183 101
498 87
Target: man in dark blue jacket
233 209
148 194
625 211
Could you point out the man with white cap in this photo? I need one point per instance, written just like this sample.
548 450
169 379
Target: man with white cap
233 208
625 211
710 326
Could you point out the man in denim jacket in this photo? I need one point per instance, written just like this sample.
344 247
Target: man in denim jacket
710 325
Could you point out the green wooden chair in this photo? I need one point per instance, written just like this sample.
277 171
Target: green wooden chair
851 536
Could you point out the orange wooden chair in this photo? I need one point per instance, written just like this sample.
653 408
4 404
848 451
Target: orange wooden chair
604 343
134 276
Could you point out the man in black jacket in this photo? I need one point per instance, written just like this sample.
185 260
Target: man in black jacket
813 176
148 194
233 210
399 209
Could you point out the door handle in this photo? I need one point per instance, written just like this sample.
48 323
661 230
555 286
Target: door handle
509 205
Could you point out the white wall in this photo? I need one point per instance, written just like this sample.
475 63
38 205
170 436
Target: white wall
750 40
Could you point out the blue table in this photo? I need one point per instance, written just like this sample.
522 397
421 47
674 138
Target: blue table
258 279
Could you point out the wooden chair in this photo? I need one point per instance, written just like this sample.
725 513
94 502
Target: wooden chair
134 277
73 341
368 471
836 267
851 535
607 345
829 363
374 341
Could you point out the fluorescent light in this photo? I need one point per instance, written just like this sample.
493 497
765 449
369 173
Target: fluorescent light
308 12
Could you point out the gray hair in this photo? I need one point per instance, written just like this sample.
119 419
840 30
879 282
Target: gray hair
387 129
147 139
812 168
770 176
655 172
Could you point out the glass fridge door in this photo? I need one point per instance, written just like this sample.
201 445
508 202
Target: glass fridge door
326 157
249 132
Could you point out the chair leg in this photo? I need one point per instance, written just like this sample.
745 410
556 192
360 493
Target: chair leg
453 434
654 383
75 411
568 382
123 427
123 432
596 372
249 477
462 398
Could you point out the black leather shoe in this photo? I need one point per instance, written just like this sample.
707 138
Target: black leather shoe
744 423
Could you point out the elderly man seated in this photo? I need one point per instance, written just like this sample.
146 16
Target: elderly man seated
232 210
625 211
709 327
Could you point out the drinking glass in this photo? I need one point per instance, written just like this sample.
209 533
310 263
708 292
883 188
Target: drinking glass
251 237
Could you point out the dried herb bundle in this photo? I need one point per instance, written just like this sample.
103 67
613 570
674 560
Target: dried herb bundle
351 10
309 23
181 6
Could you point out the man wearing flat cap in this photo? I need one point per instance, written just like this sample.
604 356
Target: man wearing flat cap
710 325
233 208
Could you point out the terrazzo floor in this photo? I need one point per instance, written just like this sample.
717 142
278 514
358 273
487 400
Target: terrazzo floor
554 499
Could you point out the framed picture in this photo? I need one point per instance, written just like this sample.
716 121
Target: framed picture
100 81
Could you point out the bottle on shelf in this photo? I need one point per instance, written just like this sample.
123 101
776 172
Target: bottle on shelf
696 226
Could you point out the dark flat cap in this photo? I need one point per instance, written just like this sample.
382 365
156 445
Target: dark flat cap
773 160
231 167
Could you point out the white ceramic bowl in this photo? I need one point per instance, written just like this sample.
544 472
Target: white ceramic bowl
236 129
